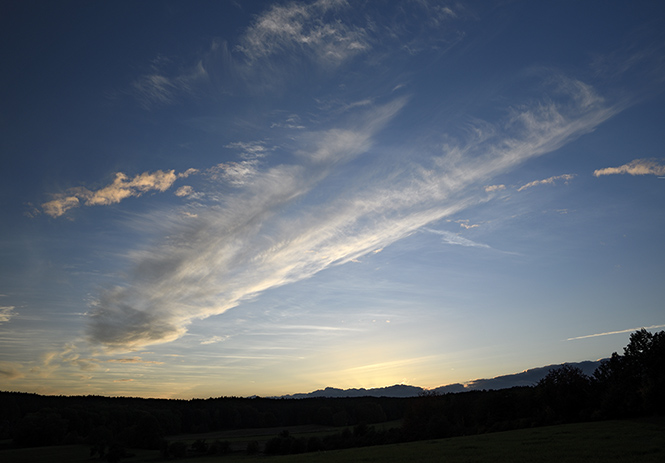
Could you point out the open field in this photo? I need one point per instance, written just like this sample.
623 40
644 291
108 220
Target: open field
611 441
238 438
607 441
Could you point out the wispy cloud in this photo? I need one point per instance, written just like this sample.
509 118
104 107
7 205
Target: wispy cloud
464 223
454 238
124 187
155 89
630 330
493 188
214 340
6 313
547 181
308 329
235 173
636 167
11 370
278 41
134 360
188 172
248 260
391 365
288 38
121 188
161 88
292 121
60 205
256 240
251 150
68 355
312 28
185 190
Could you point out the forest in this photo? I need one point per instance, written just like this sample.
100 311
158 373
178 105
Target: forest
627 385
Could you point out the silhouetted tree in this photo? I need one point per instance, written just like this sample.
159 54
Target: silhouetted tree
428 417
341 418
370 412
634 383
99 439
566 392
324 415
145 434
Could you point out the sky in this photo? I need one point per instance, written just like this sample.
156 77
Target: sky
236 198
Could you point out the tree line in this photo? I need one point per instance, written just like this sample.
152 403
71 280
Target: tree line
35 420
625 385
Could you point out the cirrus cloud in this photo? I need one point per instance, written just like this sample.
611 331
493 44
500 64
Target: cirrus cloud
284 27
635 167
257 239
11 370
548 181
493 188
134 360
185 190
6 313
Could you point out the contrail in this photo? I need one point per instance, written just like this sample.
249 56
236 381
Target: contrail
653 327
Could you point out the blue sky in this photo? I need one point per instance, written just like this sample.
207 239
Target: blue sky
236 198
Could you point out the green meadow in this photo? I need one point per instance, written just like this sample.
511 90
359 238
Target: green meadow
605 441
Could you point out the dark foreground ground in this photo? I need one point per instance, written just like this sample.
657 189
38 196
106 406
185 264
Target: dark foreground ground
607 441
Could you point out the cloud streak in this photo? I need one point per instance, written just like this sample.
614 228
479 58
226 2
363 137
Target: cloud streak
493 188
214 340
455 239
278 41
288 41
158 88
121 188
6 313
134 360
285 27
10 370
630 330
256 239
636 167
547 181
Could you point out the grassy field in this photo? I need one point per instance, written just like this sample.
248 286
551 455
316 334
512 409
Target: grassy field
609 441
612 441
240 437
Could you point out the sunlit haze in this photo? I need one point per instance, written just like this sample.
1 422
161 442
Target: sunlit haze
216 198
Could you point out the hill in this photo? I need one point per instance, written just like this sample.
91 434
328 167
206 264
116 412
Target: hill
528 377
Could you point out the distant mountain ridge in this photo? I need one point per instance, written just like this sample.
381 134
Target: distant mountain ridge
398 390
526 378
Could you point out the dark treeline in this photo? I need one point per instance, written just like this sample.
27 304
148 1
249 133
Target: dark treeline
35 420
626 385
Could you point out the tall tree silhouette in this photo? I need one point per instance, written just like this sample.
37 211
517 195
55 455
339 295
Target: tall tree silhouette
634 383
566 392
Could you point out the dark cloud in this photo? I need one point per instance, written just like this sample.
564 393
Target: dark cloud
116 324
10 370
